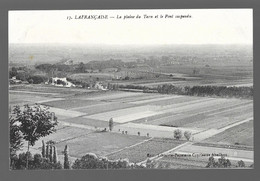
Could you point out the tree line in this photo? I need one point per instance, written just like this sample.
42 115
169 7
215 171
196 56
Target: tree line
218 91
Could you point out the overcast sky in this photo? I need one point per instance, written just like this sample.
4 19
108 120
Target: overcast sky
208 26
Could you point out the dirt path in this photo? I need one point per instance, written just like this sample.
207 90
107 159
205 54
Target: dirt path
128 147
77 125
49 100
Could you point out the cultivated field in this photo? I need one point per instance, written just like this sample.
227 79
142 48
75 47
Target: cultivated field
152 147
83 113
240 135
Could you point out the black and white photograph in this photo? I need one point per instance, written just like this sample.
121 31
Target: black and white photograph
131 89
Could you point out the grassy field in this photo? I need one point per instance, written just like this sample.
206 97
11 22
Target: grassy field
241 135
99 143
71 103
104 108
183 162
42 88
88 122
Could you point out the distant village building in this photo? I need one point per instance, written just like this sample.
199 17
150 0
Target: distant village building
55 82
13 80
100 86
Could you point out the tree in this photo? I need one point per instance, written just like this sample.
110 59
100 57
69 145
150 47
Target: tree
51 154
13 72
55 156
241 163
223 162
35 162
81 67
47 151
92 161
15 135
187 135
66 164
111 124
16 141
211 163
37 79
43 149
35 122
177 134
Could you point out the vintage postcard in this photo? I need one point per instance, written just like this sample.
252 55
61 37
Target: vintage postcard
131 89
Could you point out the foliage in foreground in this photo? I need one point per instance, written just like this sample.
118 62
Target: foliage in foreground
34 122
16 138
34 162
224 163
30 124
92 161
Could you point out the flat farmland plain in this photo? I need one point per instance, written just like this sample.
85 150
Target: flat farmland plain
85 112
177 111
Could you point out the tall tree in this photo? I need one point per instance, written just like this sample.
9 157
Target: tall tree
43 149
55 156
47 151
35 122
51 154
111 124
66 164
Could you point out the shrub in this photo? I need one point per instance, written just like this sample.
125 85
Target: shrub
37 79
92 161
221 163
34 162
241 163
20 161
177 134
187 135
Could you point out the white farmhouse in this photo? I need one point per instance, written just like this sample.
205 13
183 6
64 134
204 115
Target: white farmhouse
67 83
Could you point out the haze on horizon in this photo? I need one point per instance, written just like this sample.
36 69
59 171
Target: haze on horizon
207 26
